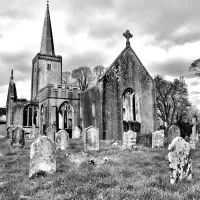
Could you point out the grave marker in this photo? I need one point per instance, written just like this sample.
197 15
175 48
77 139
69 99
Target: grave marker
18 140
129 140
158 139
173 132
62 139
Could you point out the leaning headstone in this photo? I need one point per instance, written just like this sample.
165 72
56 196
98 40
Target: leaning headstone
76 133
129 140
158 139
62 140
179 160
91 138
173 132
18 140
50 132
42 157
193 136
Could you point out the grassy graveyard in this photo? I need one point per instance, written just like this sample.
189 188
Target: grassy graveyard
140 174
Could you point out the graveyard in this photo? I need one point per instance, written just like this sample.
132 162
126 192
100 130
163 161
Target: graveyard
140 173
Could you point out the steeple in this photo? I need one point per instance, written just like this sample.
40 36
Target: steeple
47 45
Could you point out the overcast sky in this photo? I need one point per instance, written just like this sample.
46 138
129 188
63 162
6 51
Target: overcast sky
166 37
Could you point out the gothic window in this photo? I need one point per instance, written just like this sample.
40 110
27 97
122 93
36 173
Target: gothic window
49 67
30 115
66 113
129 115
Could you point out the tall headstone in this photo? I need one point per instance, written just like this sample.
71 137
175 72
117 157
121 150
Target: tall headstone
129 140
76 134
62 140
50 132
42 156
18 140
158 139
91 138
10 131
179 160
193 136
173 132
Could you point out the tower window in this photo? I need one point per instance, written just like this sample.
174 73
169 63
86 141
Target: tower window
49 67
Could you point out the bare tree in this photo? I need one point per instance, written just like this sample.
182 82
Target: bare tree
84 77
171 98
98 71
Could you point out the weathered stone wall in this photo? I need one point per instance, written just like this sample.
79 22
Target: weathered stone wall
52 98
89 117
41 76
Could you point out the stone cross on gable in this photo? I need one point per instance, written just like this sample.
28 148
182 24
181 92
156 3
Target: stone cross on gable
127 35
47 2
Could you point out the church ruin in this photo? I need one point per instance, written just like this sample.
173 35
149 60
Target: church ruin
123 98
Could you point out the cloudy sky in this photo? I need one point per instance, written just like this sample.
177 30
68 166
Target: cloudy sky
166 37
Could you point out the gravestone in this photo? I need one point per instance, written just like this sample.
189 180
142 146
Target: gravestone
50 132
129 140
91 138
62 140
18 140
76 134
42 156
158 139
179 160
193 136
173 132
10 131
33 132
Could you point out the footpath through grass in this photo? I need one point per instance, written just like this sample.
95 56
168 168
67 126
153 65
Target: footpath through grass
142 174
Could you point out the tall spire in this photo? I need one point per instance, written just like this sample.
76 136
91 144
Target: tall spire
11 74
47 45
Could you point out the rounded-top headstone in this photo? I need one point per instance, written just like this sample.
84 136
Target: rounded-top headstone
42 156
173 132
76 134
179 160
18 140
158 139
62 140
129 140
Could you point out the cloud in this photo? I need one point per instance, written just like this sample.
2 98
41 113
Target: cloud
89 58
174 68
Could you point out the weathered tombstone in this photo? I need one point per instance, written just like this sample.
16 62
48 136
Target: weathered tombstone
76 134
42 156
193 136
10 131
50 133
33 132
173 132
158 139
18 140
129 140
91 138
179 160
62 140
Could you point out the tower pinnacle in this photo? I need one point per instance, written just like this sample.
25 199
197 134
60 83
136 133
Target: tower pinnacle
47 44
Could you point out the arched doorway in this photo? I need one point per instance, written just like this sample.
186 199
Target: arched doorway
129 114
66 117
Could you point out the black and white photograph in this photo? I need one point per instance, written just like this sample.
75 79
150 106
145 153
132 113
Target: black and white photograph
100 100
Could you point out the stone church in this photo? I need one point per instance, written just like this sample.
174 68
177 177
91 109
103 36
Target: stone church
122 99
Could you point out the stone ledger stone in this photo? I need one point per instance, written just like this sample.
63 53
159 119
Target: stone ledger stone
173 132
129 140
91 138
18 140
62 139
42 156
179 160
76 134
50 132
158 139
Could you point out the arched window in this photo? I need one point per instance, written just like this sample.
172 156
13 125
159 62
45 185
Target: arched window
129 115
30 115
66 113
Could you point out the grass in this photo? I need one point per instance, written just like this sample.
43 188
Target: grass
142 174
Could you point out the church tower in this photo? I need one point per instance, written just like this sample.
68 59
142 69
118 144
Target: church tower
46 66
